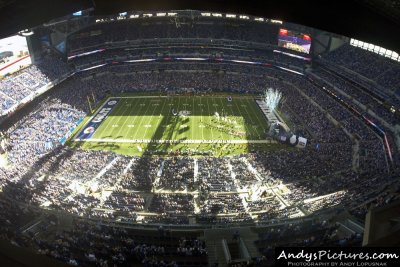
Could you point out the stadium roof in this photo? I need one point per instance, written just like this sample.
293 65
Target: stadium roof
372 21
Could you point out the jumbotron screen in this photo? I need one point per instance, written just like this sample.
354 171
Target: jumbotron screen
299 42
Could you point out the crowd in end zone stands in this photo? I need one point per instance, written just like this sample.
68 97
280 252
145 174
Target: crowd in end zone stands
46 174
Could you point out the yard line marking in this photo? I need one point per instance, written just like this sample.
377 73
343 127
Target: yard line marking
192 118
135 118
108 121
209 120
244 118
162 117
229 135
149 125
177 126
154 119
126 119
202 121
257 112
173 120
104 127
141 119
167 115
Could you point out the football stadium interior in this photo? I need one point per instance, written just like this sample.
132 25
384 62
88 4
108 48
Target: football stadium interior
194 138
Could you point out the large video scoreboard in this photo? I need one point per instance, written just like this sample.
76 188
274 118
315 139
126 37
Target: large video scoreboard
296 41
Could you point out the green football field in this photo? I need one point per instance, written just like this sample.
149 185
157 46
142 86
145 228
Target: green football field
135 124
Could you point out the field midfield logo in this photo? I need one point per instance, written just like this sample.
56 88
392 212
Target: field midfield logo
184 113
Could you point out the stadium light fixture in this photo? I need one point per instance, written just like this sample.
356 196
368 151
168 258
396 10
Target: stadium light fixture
26 32
78 13
370 47
276 21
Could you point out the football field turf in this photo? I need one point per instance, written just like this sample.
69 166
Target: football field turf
161 121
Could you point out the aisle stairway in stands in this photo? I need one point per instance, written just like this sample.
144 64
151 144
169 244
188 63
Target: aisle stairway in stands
214 238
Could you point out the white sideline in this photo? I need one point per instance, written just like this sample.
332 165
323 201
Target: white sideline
146 141
142 96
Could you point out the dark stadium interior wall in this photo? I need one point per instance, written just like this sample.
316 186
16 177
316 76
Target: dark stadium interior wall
337 42
34 46
348 18
30 48
2 119
324 42
10 256
57 38
320 43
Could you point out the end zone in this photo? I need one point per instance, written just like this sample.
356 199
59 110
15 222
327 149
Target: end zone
95 121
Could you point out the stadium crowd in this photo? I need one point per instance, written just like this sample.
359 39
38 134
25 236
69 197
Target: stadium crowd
125 30
342 164
306 108
381 70
28 81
